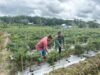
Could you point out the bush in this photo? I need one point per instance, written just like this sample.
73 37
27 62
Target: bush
52 57
78 50
35 56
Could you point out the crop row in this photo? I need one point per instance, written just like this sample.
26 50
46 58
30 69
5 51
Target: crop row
90 66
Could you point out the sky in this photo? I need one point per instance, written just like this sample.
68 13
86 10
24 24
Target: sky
64 9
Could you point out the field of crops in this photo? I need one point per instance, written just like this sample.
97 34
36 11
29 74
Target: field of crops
24 39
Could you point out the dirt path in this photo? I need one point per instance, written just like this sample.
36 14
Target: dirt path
6 39
5 64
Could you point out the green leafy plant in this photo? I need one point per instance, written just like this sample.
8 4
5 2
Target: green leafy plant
52 57
78 50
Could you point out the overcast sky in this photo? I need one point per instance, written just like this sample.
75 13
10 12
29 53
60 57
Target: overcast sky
65 9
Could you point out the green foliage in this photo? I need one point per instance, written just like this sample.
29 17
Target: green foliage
35 56
52 57
78 50
82 38
94 44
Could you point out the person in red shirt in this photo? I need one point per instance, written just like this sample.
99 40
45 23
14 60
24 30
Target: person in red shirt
42 45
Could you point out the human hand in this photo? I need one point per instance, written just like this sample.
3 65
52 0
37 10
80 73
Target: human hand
62 46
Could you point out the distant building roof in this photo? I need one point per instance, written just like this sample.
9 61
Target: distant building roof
30 23
66 26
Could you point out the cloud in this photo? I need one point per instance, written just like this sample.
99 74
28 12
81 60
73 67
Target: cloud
14 8
65 9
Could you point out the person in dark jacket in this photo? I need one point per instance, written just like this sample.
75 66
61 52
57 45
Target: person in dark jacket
59 41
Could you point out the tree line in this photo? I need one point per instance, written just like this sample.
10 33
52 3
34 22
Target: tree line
26 20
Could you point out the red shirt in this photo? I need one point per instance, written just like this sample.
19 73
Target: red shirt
42 43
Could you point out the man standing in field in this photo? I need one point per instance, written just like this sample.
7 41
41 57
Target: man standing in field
59 41
42 46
